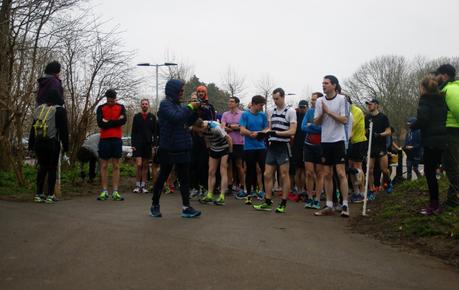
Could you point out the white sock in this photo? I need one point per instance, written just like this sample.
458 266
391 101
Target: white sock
142 184
329 204
137 183
345 202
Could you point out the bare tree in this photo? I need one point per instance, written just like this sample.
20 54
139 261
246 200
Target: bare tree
94 61
265 86
233 83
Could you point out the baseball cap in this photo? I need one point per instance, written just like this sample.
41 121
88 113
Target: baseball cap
303 103
446 69
372 101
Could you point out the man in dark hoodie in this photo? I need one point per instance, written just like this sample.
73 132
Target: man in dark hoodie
50 81
175 146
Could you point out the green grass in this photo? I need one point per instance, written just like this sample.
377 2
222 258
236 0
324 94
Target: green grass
69 179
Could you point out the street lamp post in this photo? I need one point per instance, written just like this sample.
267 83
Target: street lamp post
157 74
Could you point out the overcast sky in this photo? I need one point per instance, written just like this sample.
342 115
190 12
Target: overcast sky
295 42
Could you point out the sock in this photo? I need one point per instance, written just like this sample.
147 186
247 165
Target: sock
105 190
185 207
268 201
115 188
137 183
345 202
142 184
329 204
283 202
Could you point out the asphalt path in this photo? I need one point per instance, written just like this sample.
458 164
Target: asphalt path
86 244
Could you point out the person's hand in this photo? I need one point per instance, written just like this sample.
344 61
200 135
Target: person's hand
133 148
234 126
121 117
272 133
308 124
105 120
253 135
195 105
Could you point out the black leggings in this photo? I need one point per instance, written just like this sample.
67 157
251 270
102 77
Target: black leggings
432 160
47 153
252 157
183 174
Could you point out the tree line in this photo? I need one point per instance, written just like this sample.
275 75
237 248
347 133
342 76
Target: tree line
35 32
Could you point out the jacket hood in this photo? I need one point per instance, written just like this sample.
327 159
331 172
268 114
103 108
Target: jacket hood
173 88
46 79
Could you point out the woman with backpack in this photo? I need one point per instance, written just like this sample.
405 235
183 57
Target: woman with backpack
49 130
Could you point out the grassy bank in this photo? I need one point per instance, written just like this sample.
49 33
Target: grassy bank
395 218
71 183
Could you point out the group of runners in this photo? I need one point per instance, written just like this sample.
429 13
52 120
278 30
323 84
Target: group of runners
307 152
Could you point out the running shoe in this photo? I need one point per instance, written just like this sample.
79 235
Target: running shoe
293 197
345 211
190 212
337 206
144 190
356 198
206 199
309 203
194 194
281 208
371 196
264 206
325 211
248 200
103 195
316 204
241 195
116 196
155 212
51 199
39 198
389 187
260 194
136 189
220 200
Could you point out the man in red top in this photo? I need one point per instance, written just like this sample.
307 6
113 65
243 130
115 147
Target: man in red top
111 116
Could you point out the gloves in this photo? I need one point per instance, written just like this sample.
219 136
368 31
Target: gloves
272 133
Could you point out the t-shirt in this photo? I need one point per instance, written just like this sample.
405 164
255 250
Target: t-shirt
280 119
358 126
380 124
332 131
253 123
231 118
215 135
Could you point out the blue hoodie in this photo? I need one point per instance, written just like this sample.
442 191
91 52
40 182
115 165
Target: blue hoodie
174 120
413 138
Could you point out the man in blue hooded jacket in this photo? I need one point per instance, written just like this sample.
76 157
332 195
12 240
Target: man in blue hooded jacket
175 146
412 149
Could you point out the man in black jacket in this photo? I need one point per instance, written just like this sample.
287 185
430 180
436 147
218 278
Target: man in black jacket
142 137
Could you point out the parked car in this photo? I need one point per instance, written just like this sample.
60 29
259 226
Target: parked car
127 149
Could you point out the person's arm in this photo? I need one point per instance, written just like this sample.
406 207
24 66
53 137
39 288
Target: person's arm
32 137
101 122
134 132
243 128
452 100
121 119
422 115
176 114
339 117
62 127
291 118
230 143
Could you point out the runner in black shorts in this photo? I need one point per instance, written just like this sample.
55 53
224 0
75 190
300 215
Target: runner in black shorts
220 145
381 130
297 172
142 136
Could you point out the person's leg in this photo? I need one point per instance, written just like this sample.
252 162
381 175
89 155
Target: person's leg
240 172
261 161
416 167
431 162
41 175
251 171
409 168
52 175
310 172
145 163
320 176
213 163
138 175
343 184
328 184
268 176
371 173
104 174
224 174
115 173
164 171
451 166
384 165
183 174
284 175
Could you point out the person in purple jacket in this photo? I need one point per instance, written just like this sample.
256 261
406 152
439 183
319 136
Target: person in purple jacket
50 81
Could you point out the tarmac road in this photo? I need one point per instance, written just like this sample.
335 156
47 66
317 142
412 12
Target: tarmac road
86 244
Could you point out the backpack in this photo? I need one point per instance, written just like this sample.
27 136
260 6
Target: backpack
45 122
